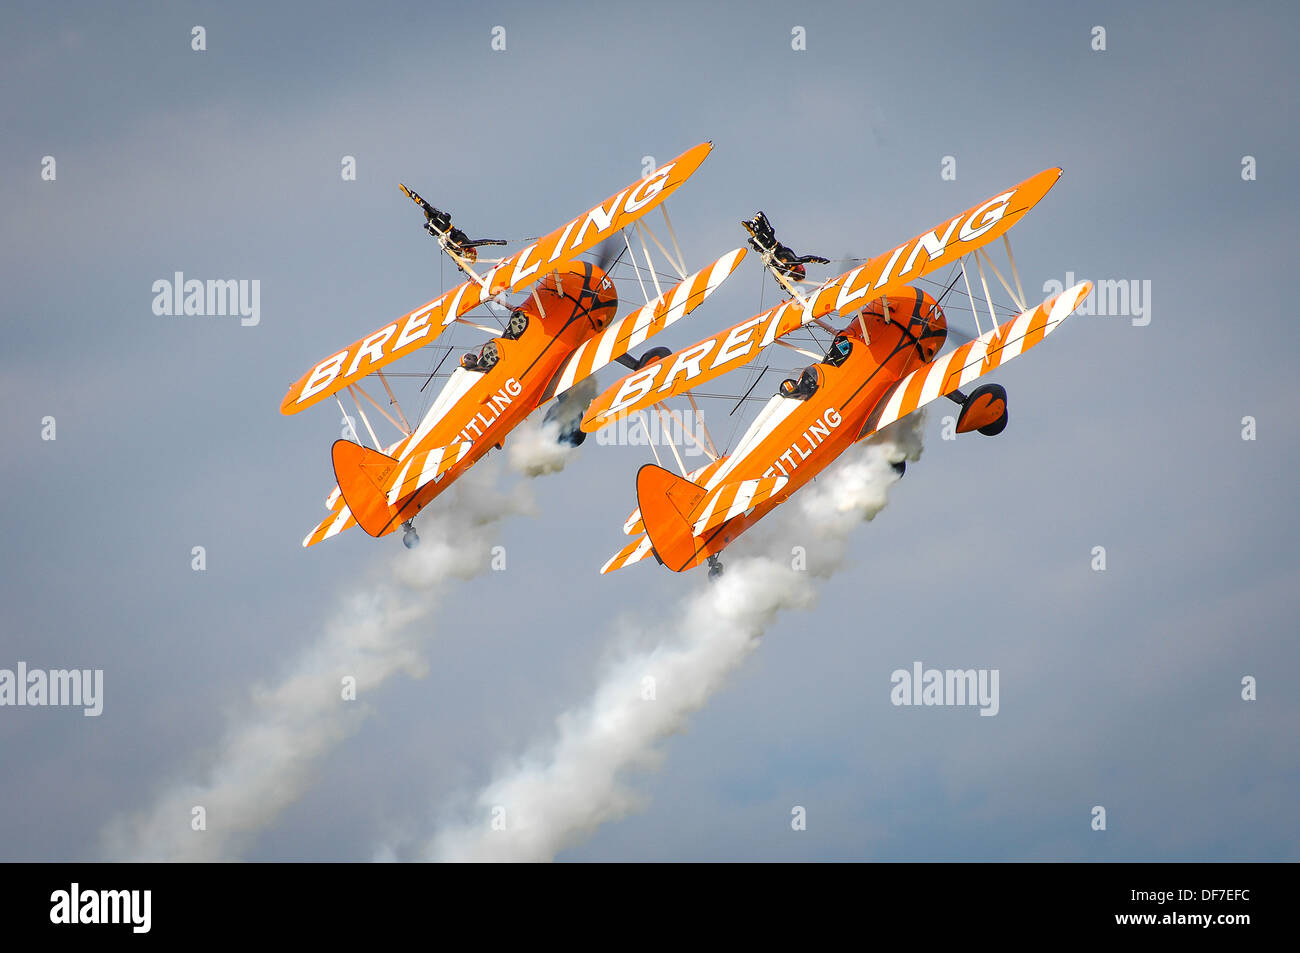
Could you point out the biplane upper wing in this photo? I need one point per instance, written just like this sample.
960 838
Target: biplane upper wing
883 275
645 322
974 359
530 264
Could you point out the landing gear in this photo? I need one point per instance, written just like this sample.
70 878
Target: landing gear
985 410
636 363
900 468
410 538
715 567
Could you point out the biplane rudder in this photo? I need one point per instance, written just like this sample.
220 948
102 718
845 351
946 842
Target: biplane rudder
362 476
666 502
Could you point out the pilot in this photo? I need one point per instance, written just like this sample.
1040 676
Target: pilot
483 361
801 389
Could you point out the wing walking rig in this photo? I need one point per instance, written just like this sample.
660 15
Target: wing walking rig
883 363
560 333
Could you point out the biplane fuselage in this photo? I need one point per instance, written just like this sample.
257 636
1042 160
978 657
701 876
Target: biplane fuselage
797 437
481 407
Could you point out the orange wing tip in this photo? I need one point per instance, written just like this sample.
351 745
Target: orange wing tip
633 525
1081 291
332 525
633 552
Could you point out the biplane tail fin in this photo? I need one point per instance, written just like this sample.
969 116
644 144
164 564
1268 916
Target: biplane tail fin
667 502
374 485
363 476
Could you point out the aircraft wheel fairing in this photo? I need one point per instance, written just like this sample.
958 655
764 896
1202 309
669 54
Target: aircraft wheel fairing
985 410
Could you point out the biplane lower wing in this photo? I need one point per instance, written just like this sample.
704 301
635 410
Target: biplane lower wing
974 359
636 328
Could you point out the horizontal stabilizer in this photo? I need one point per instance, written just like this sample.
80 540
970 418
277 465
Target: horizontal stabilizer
633 552
340 518
733 499
421 469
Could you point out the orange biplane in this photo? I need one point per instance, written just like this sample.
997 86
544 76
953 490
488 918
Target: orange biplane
883 363
562 332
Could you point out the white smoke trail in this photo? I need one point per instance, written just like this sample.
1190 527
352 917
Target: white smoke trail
271 749
557 795
534 448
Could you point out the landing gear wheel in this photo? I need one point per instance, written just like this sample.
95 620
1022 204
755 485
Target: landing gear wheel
410 538
654 354
900 468
715 567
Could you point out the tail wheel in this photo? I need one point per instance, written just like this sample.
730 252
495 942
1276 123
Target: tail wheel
985 410
410 538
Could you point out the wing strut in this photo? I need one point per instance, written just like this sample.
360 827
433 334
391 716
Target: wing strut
377 407
671 446
815 357
680 269
405 425
987 297
654 276
686 432
703 426
1006 240
971 298
631 256
640 416
672 235
1018 299
352 389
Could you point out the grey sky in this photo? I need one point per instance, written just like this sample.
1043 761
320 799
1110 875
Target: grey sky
1119 688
